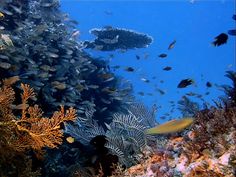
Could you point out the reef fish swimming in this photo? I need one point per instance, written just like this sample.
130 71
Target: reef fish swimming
220 39
172 126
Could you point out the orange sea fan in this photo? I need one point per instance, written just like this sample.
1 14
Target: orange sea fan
31 130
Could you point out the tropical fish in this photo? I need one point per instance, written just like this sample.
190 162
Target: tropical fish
20 106
163 55
141 93
172 45
58 85
167 68
11 80
184 83
106 76
220 39
145 80
191 94
233 31
116 67
109 90
170 126
146 55
6 39
234 17
16 9
75 34
1 15
5 65
129 69
160 91
70 139
208 84
107 12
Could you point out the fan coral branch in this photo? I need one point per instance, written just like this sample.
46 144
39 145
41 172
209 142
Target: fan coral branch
20 133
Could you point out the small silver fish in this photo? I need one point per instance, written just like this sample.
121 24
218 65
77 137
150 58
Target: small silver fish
5 65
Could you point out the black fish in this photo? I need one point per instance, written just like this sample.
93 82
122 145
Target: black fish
220 39
167 68
129 69
137 57
208 84
233 31
141 93
184 83
163 55
234 17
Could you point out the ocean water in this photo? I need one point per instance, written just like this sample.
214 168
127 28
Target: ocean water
193 24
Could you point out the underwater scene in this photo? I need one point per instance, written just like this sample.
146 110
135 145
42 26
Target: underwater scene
117 88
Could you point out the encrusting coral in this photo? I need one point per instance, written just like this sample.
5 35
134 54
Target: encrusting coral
27 132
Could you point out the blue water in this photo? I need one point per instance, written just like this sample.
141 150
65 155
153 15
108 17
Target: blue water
193 24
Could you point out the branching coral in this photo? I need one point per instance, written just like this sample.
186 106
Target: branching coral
30 130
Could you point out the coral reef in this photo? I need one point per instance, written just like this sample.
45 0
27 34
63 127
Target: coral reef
206 149
111 38
124 136
45 55
29 131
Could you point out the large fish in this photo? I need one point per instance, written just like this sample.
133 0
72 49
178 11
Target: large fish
170 126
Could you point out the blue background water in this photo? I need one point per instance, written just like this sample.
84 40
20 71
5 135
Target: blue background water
192 25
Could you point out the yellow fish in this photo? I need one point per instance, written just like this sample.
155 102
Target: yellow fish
170 126
70 139
1 15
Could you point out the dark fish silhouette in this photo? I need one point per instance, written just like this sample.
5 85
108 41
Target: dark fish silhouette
129 69
163 55
167 68
208 84
172 44
220 39
234 17
141 93
137 57
184 83
233 31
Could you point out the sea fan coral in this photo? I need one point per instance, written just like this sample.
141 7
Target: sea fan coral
30 130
